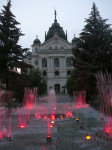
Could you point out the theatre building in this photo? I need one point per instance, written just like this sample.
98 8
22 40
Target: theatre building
53 57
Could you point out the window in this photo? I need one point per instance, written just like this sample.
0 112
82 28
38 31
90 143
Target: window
68 62
68 73
56 73
36 50
36 62
44 73
56 62
44 62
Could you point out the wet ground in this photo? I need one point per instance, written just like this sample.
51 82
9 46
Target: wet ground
65 135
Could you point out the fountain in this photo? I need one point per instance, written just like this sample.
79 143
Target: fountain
48 136
41 118
52 102
104 85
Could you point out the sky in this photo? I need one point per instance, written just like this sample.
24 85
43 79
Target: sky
36 16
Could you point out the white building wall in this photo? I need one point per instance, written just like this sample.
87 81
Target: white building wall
46 50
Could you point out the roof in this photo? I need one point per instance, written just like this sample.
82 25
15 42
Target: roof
55 28
36 41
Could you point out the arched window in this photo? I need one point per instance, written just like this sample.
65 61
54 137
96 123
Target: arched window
56 62
68 62
44 62
44 73
68 73
36 50
56 73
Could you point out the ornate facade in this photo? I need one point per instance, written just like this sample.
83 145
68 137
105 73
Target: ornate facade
53 57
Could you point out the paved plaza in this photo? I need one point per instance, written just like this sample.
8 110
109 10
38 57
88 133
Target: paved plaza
65 135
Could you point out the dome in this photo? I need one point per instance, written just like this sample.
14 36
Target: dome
75 40
36 41
55 28
55 23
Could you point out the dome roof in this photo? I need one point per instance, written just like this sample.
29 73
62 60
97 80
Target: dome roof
55 28
74 40
55 23
36 41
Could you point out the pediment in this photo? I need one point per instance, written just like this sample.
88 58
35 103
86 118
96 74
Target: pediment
56 43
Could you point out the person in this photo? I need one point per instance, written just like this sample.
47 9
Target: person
63 90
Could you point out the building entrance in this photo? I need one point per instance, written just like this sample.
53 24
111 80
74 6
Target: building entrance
57 88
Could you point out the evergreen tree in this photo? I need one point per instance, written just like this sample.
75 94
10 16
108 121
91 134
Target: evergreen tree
37 80
11 53
93 51
70 82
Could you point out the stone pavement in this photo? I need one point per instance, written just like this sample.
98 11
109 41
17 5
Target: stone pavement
66 133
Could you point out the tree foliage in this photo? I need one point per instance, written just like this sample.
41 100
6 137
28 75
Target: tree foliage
93 51
11 53
70 83
36 80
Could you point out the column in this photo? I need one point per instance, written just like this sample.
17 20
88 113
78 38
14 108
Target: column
49 65
61 64
40 63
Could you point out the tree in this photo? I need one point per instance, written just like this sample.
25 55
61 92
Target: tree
93 51
70 83
7 98
11 53
36 80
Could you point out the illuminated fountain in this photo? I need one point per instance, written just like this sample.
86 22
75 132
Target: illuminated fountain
34 112
79 101
104 85
52 102
48 136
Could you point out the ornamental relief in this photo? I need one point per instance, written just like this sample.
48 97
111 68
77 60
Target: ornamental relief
58 45
51 48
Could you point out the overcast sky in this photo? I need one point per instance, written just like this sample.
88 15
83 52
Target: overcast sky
36 16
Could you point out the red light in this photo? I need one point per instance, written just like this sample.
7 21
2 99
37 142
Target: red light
38 116
107 131
78 106
0 135
45 117
9 136
69 114
48 136
52 117
22 126
51 126
29 107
